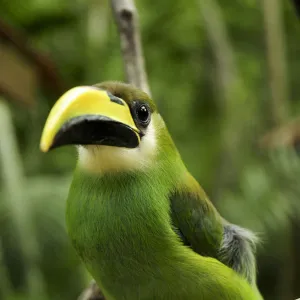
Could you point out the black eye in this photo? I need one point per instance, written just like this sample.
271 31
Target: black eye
143 114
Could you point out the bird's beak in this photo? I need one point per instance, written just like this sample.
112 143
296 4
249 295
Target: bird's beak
89 116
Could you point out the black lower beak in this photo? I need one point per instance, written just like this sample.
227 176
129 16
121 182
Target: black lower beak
96 130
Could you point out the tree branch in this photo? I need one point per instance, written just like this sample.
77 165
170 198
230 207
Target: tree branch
126 18
92 293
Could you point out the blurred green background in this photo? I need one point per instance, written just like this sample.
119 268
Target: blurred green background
225 75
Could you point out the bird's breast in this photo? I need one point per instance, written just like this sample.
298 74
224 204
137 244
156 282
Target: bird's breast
115 224
121 229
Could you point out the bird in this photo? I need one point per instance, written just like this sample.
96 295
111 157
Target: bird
139 221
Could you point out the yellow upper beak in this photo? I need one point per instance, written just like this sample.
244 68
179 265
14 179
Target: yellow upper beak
86 102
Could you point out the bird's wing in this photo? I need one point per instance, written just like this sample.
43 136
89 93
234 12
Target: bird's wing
207 233
196 218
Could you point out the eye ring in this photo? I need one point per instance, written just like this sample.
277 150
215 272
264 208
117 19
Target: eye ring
143 114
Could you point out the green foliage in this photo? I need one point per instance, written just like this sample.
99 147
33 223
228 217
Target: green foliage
259 191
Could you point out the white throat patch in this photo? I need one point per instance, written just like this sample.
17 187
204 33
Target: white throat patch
104 159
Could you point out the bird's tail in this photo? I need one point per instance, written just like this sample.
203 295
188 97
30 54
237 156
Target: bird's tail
238 251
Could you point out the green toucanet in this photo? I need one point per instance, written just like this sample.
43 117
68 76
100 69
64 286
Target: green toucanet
139 221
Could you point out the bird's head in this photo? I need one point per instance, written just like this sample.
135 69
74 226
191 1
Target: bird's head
115 125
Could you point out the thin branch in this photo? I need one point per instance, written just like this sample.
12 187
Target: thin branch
283 136
92 293
126 18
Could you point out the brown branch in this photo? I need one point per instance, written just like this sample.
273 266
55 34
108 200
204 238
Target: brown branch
126 18
92 293
284 136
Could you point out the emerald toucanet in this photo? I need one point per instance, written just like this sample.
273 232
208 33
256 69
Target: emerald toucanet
139 221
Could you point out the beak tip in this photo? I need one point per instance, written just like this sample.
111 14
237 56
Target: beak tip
44 148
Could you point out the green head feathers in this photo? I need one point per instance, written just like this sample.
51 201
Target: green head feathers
127 92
